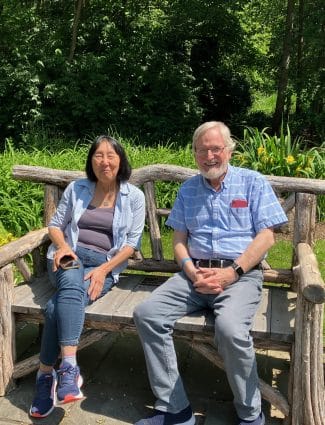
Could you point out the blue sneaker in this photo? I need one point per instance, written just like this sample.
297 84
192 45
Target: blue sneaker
44 400
260 420
69 384
184 417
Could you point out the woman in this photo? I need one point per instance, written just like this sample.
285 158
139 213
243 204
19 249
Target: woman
96 228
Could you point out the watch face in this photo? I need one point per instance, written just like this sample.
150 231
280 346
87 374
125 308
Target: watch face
239 270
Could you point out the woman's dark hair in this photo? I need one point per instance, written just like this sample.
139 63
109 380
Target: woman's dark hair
125 169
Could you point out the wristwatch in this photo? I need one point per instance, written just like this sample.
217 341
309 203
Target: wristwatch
237 268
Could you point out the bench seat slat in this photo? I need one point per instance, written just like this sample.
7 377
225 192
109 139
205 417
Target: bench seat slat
283 306
274 319
31 297
125 312
263 316
107 307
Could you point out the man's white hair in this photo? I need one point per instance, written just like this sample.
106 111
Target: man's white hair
224 130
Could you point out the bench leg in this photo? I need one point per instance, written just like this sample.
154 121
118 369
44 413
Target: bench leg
270 394
308 404
7 330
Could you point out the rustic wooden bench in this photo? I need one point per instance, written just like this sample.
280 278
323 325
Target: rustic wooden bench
290 317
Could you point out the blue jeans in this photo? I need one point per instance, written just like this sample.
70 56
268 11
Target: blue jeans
65 311
234 310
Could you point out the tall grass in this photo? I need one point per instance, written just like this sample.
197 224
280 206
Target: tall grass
21 203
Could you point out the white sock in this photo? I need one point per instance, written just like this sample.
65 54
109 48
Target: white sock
41 372
69 359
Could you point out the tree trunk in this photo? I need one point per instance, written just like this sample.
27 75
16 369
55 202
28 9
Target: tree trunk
300 55
75 29
284 69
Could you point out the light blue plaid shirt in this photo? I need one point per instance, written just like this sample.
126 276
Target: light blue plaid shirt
222 224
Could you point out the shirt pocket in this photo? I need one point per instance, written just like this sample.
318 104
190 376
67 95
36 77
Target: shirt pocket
240 219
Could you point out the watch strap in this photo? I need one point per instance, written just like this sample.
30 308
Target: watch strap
237 268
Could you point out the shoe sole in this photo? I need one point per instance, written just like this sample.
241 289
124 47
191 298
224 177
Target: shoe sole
39 415
70 398
190 421
263 420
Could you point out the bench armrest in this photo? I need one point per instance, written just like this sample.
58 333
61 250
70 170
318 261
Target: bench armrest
22 246
309 279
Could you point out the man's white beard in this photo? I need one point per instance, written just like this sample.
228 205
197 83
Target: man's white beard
214 173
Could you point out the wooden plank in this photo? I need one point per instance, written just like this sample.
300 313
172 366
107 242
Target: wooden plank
274 319
32 297
196 322
283 304
105 308
124 313
262 321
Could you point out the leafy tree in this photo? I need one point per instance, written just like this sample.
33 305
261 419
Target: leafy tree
155 69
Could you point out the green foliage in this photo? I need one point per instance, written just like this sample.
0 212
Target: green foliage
279 155
319 250
21 206
5 236
135 67
282 156
262 102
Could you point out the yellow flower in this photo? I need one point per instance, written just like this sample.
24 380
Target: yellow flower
290 159
6 238
260 150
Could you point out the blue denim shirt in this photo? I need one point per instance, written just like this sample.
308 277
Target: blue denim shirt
128 221
221 224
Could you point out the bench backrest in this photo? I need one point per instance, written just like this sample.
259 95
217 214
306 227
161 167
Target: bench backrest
298 195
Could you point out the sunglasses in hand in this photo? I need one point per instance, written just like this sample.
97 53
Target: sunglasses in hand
68 262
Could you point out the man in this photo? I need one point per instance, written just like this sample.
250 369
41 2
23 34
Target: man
223 221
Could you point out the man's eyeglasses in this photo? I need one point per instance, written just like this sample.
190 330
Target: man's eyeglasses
216 150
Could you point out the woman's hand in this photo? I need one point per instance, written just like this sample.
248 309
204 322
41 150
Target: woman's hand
63 248
97 278
61 252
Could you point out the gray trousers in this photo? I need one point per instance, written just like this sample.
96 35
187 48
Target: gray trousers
234 311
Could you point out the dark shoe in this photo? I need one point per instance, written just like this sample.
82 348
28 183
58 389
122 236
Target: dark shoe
44 401
184 417
260 420
69 384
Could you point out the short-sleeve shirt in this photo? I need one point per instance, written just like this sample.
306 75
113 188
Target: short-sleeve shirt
221 224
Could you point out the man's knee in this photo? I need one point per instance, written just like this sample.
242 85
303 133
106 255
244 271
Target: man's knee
230 332
141 312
